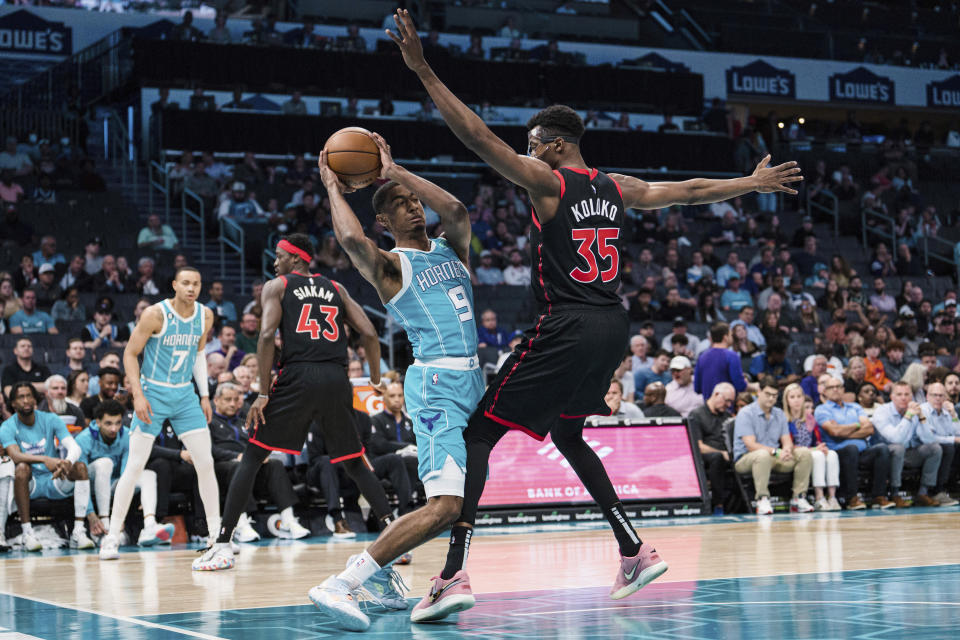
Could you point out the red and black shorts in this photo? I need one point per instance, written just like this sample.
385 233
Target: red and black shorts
305 392
562 369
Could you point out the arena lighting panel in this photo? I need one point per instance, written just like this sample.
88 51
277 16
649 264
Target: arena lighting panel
650 460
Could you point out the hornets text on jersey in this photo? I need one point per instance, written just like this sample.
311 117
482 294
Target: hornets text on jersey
435 303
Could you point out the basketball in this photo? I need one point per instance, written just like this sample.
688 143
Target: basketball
353 156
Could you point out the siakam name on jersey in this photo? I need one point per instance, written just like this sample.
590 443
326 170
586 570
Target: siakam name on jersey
313 291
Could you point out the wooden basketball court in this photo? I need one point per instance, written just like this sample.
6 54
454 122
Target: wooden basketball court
845 575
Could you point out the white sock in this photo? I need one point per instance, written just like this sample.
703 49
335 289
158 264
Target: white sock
81 498
78 526
105 521
287 517
27 528
359 571
149 522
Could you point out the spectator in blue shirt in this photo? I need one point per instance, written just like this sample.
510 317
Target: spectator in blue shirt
943 421
105 445
489 334
28 437
810 384
902 426
746 317
47 254
845 429
735 298
718 364
657 372
221 308
762 444
774 363
729 269
29 319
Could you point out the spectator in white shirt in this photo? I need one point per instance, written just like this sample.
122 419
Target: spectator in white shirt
620 408
517 274
639 348
680 393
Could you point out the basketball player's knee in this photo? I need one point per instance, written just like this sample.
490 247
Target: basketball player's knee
354 467
79 472
483 430
101 466
446 510
23 472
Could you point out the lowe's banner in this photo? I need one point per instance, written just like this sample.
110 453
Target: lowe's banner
760 78
944 94
25 33
861 85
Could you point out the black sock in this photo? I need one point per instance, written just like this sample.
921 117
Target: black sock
627 537
241 487
457 553
568 438
369 485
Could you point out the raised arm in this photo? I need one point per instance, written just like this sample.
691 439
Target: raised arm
379 268
639 194
452 212
530 173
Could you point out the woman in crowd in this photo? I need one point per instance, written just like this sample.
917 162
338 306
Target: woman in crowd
833 297
142 304
867 396
770 327
809 318
915 376
806 433
841 271
856 372
9 302
708 310
69 308
78 384
743 346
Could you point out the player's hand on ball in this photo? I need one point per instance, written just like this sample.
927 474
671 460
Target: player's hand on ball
330 179
776 178
408 40
386 158
141 407
255 416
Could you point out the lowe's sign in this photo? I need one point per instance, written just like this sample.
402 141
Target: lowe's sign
861 85
761 79
21 32
944 94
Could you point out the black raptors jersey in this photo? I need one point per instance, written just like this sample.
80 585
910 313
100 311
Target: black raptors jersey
312 324
576 255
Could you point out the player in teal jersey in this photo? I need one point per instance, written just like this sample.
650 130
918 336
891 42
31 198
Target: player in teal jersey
171 335
425 284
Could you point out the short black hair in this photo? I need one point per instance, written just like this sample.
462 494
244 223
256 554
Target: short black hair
19 385
109 371
778 347
382 196
300 241
186 268
768 382
558 120
926 349
107 408
225 325
662 352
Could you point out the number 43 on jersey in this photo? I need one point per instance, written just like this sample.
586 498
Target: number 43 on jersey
308 324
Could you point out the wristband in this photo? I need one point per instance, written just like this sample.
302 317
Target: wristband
263 395
908 415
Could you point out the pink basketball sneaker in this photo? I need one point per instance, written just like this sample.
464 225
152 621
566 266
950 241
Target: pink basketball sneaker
445 597
637 572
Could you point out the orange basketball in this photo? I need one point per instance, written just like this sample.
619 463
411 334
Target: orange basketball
353 156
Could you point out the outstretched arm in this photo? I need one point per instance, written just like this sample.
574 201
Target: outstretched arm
533 175
370 261
654 195
452 212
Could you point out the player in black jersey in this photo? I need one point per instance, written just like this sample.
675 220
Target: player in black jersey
561 370
311 313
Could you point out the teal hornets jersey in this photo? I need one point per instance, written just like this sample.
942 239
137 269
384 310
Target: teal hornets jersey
435 303
169 355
